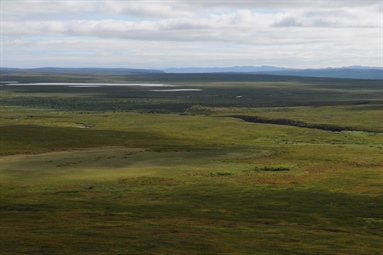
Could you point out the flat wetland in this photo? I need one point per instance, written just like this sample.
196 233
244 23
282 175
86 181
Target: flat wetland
104 169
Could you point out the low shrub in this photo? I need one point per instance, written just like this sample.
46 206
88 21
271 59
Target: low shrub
273 168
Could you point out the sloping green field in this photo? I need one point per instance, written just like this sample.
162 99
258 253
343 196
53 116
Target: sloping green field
82 180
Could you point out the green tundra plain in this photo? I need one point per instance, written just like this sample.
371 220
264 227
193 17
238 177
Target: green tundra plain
215 164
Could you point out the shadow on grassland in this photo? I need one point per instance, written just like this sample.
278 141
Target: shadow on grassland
18 139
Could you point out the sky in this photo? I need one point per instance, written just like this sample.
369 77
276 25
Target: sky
158 34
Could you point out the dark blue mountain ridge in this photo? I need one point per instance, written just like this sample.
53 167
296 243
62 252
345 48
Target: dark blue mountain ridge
233 69
79 71
348 72
344 73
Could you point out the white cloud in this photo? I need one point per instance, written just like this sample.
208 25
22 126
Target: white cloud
175 31
332 18
241 26
168 8
156 9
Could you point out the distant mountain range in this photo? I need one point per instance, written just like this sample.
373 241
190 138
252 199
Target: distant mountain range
351 72
345 73
79 71
233 69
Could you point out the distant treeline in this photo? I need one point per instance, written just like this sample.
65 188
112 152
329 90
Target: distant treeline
342 73
78 71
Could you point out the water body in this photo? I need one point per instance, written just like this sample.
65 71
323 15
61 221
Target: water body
93 84
85 86
97 85
170 90
7 82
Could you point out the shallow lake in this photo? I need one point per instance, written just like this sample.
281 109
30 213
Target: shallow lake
169 90
79 84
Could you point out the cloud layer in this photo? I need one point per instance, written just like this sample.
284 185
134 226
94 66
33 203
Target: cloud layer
191 33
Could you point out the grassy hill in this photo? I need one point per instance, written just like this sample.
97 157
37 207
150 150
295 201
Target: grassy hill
133 170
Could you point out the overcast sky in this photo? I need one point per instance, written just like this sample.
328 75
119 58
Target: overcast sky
182 33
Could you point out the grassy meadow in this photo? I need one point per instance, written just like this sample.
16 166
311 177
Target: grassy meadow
129 170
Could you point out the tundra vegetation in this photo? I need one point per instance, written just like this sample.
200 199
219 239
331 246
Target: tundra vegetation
134 170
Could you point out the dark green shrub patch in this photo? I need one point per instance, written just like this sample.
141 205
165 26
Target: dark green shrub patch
275 168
